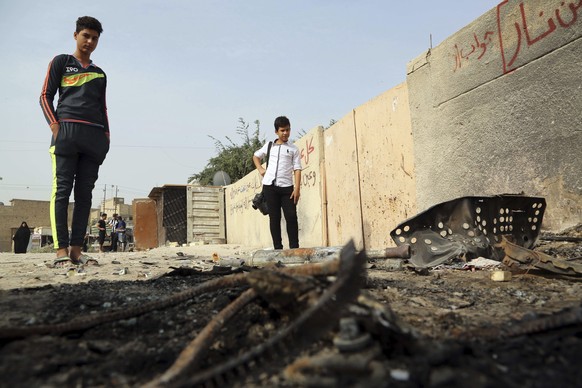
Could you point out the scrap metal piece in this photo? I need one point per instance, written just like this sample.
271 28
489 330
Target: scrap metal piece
569 316
330 369
279 289
312 323
294 256
514 254
468 227
319 254
350 338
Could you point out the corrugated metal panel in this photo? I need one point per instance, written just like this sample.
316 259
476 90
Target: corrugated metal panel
174 218
206 214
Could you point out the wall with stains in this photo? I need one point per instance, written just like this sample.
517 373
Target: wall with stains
496 108
369 169
311 208
386 165
357 181
243 223
344 218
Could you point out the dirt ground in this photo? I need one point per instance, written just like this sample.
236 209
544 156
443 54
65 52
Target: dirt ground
446 327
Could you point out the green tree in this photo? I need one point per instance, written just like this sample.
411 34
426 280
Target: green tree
236 160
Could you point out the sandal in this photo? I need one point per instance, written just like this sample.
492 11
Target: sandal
87 260
63 262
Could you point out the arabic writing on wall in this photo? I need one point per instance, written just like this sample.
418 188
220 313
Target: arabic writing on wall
249 188
306 151
517 31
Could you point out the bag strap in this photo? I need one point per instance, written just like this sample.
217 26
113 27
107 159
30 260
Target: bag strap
268 153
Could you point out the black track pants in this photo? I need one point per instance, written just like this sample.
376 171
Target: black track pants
279 198
76 155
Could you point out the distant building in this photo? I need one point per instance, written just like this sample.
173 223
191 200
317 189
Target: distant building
111 206
37 216
35 213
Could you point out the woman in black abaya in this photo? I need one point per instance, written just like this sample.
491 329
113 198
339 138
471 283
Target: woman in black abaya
21 238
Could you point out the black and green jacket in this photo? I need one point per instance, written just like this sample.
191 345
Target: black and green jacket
81 92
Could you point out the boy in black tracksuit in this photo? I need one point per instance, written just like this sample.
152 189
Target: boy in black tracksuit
80 137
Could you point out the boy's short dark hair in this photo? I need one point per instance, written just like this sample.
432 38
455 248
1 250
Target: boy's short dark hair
89 23
103 214
281 122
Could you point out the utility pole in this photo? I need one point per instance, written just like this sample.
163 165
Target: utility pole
116 201
114 198
104 197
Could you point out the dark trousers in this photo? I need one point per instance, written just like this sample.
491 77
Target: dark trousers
279 198
114 241
76 155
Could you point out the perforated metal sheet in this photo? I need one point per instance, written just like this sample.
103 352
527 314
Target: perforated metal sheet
469 227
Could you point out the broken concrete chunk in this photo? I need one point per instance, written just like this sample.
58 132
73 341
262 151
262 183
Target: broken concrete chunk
501 276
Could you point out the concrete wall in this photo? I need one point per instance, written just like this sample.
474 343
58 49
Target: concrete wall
496 109
243 223
344 218
311 208
386 165
369 167
247 225
357 180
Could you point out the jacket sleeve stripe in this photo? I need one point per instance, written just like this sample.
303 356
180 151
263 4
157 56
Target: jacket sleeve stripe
105 115
47 96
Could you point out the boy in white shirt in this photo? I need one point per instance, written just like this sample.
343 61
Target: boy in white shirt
284 164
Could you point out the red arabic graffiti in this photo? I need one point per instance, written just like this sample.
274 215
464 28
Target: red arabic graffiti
527 25
480 47
308 150
530 27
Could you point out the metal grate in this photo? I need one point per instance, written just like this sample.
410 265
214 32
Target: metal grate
174 216
469 227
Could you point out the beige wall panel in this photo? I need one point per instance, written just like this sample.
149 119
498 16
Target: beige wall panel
311 206
245 225
385 151
341 175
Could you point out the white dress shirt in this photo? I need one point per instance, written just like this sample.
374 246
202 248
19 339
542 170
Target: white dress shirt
283 160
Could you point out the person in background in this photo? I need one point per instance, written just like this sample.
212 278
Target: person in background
113 223
280 193
102 226
21 238
86 242
80 138
121 233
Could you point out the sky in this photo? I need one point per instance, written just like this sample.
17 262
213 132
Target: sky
181 71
